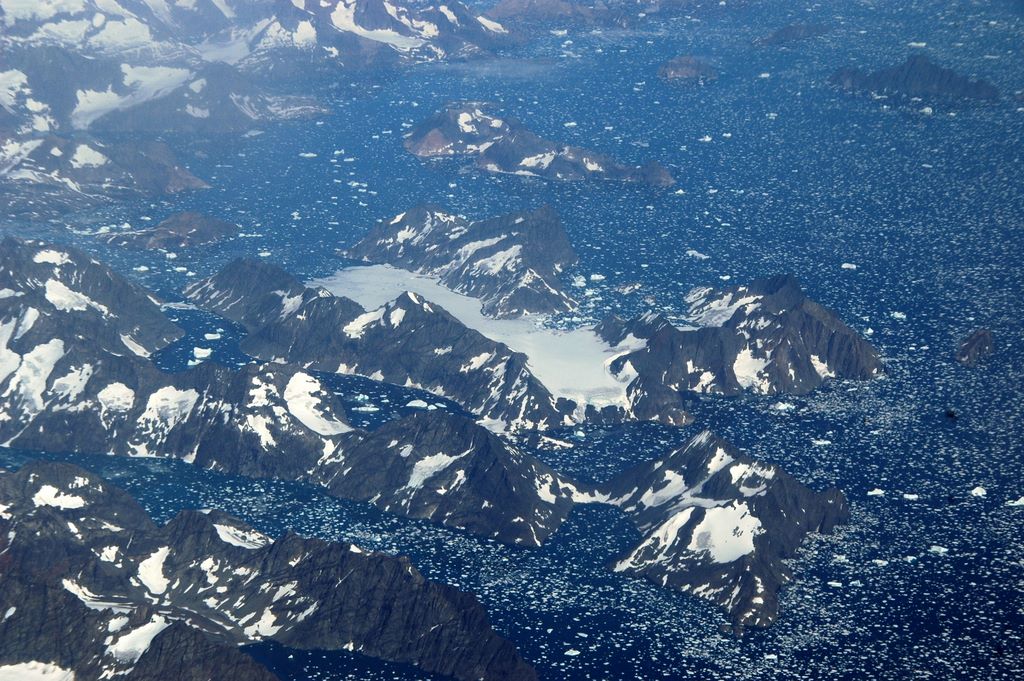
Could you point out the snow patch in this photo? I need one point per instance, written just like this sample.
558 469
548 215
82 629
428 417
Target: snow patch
48 495
726 533
151 571
133 644
247 539
304 404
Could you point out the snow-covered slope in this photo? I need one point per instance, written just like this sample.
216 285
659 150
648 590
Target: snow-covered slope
75 376
446 468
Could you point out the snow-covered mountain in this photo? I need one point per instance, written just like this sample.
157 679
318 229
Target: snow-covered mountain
75 376
74 69
75 339
92 587
718 525
767 337
47 173
511 263
408 341
446 468
504 145
233 30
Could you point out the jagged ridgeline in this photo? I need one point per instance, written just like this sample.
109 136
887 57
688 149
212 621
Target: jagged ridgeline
76 377
767 338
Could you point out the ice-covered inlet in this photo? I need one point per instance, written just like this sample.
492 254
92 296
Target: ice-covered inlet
570 363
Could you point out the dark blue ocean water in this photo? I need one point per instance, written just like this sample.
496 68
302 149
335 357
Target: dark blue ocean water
797 177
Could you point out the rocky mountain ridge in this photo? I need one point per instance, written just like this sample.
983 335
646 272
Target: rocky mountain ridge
511 263
132 599
75 376
767 338
84 74
408 341
504 145
181 230
718 525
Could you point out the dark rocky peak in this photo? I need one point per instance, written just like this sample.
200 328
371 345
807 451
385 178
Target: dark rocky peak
446 468
113 593
706 465
802 342
719 307
53 294
269 420
62 173
181 230
720 525
522 152
255 293
458 130
615 330
766 337
782 286
511 263
918 76
257 277
43 492
464 31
